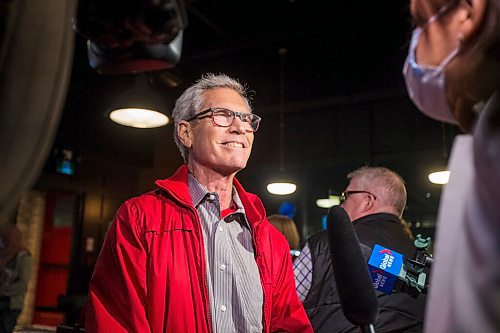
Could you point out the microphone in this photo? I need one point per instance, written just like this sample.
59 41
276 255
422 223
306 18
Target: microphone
354 286
385 267
389 270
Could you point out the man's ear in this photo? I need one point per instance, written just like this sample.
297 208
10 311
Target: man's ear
185 133
473 21
369 203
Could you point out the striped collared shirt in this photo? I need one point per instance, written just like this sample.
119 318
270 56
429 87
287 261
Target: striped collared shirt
234 285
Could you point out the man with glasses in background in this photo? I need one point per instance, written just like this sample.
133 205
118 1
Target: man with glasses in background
198 254
374 200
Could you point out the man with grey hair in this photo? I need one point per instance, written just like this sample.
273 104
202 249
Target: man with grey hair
374 199
198 254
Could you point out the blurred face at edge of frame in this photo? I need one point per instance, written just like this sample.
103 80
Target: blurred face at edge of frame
447 72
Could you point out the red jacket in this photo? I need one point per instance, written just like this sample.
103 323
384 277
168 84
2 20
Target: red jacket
150 275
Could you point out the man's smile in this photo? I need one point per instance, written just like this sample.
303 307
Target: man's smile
234 144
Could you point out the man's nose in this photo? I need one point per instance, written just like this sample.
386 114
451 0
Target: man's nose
238 124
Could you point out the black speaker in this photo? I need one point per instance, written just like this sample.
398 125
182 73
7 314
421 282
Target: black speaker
132 36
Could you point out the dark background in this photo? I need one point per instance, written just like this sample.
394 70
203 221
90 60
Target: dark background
344 102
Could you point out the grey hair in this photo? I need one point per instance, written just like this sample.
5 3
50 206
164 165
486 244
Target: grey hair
387 184
191 100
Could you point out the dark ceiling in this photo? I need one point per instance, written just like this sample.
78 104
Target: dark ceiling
344 98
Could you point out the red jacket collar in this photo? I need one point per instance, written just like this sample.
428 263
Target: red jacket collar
177 186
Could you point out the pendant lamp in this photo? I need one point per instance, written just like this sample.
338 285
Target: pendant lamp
282 184
441 176
140 107
332 200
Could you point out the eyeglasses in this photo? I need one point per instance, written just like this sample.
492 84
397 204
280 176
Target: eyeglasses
225 118
345 195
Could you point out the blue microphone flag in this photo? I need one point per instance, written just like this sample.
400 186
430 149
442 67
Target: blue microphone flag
385 266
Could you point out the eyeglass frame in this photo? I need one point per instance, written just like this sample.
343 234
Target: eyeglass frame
235 114
345 195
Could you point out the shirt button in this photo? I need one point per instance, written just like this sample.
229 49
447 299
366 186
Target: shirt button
222 267
211 197
220 228
223 308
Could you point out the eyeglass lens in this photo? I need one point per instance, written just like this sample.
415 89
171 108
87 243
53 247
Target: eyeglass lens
225 118
344 195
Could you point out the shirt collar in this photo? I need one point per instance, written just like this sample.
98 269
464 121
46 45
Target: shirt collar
199 192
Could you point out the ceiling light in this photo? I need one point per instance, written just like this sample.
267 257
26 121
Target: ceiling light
138 117
140 106
442 175
283 188
332 200
280 187
439 177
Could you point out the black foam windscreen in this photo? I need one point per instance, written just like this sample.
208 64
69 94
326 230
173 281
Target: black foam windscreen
357 295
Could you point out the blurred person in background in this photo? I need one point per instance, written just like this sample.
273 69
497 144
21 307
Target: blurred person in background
452 74
288 228
374 199
15 270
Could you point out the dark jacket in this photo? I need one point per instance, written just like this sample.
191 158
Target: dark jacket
399 312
